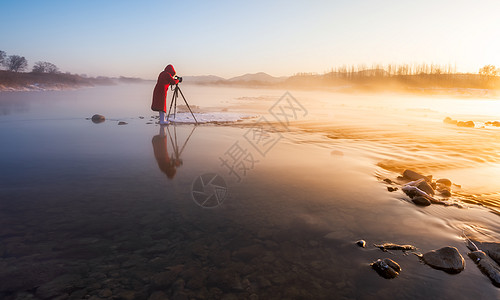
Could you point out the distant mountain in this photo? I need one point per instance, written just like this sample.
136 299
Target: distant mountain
257 77
202 79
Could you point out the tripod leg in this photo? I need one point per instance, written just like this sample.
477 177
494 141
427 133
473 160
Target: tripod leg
188 106
175 104
171 102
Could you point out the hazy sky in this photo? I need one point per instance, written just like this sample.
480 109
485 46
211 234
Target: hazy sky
230 38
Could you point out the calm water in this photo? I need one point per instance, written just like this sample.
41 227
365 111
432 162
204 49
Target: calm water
102 210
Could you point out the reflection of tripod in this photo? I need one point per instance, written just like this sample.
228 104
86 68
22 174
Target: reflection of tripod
176 156
174 103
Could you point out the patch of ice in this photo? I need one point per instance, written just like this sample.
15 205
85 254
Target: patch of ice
212 117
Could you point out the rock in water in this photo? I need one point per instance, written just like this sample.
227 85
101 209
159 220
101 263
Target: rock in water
361 243
490 248
421 201
449 120
387 180
469 124
444 181
445 193
391 246
386 268
424 186
487 266
98 118
412 175
447 259
122 123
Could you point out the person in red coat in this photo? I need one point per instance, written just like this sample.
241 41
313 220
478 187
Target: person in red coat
165 79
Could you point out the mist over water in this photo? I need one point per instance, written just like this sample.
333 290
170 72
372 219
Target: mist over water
95 201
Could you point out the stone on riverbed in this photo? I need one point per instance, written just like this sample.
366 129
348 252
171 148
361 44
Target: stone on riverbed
487 266
386 268
447 259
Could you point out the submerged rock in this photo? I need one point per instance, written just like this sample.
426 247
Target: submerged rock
361 243
386 268
447 259
487 266
122 123
390 246
98 118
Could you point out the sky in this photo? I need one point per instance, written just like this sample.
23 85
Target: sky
231 38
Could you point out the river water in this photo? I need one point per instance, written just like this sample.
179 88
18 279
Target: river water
266 208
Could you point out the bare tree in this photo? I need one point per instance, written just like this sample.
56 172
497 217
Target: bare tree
3 55
16 63
44 67
489 70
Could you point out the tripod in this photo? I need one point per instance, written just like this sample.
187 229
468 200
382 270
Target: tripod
177 90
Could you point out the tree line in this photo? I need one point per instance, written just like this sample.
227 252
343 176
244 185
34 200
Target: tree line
17 63
390 70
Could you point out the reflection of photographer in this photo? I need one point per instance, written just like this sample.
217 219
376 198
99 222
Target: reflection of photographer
167 164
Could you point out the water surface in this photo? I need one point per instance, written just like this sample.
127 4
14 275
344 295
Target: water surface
101 209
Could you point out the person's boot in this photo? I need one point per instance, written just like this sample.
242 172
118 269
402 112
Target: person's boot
162 118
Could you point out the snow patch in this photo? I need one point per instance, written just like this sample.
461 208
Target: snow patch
214 117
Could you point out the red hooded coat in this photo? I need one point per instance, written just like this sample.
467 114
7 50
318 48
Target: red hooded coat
165 79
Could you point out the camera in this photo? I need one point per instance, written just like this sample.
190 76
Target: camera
179 78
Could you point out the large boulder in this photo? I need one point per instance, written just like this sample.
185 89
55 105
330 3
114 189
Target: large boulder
447 259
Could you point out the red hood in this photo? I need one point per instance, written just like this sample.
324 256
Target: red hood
170 70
